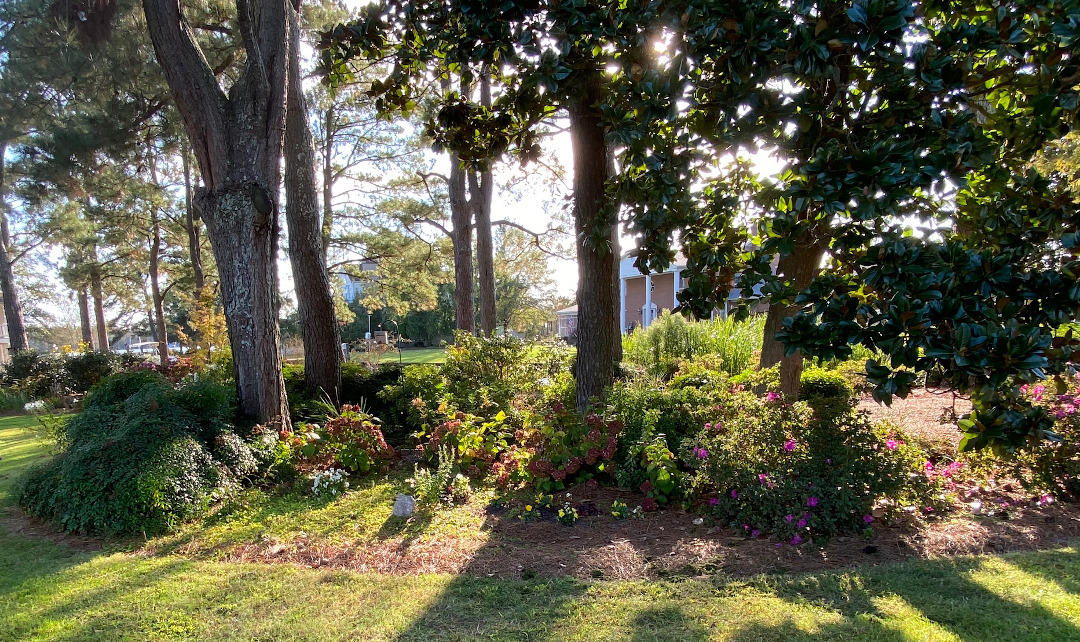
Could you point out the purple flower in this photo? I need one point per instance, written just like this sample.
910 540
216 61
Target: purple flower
708 426
789 445
772 396
891 444
755 533
795 541
789 518
801 523
811 501
762 478
701 453
867 518
713 501
734 494
746 527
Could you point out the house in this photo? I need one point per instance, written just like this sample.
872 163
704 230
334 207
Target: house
352 285
644 297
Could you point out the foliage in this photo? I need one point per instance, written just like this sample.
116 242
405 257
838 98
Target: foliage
12 400
330 482
34 374
764 465
431 487
143 456
475 443
351 439
564 448
728 344
408 400
84 370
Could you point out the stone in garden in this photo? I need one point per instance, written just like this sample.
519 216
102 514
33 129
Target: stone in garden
404 506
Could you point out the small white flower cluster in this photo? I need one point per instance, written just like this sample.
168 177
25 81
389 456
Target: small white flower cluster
35 406
330 481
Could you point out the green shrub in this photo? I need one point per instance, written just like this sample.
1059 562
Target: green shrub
359 387
826 391
672 338
351 440
142 457
84 370
34 374
563 448
12 400
763 465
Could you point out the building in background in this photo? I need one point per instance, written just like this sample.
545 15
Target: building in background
353 286
5 341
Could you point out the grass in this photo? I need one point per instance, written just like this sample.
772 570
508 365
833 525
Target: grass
51 592
409 355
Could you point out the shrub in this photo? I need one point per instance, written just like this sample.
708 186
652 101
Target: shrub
12 400
826 391
140 458
351 440
672 338
433 486
768 466
34 374
564 448
84 370
407 401
359 387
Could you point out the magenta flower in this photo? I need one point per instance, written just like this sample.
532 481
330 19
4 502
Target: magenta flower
734 494
762 478
891 444
795 541
755 533
708 426
789 445
867 518
811 502
746 527
929 465
772 396
713 501
789 518
801 523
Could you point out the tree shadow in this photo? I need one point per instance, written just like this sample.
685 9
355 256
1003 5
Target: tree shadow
664 623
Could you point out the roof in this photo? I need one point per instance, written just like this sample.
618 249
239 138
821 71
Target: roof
568 311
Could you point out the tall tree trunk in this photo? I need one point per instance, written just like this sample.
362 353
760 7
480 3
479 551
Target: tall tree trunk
191 221
461 218
481 189
237 140
98 295
799 268
598 346
328 182
13 313
84 316
157 298
314 297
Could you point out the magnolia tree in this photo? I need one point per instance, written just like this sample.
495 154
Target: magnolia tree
907 217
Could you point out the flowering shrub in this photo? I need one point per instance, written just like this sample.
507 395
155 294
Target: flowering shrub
764 465
567 515
565 449
530 513
475 442
619 510
1049 465
352 440
330 482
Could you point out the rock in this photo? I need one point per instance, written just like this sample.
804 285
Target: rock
404 506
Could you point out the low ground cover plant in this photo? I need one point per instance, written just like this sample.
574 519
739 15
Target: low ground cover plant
143 456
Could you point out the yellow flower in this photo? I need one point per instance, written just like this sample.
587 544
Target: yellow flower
528 508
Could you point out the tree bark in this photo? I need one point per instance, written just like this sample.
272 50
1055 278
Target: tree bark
237 140
314 297
599 348
157 298
799 268
481 188
328 181
98 294
13 314
84 317
461 219
193 232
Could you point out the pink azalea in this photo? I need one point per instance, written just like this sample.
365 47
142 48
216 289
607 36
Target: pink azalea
789 518
772 396
795 541
708 426
713 501
811 502
801 523
734 494
755 533
891 444
867 518
789 445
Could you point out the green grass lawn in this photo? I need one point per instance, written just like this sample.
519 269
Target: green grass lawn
51 592
409 355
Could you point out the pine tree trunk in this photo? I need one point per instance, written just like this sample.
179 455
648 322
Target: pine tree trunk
599 348
461 219
13 314
192 223
98 295
314 297
799 268
237 140
328 183
156 296
84 317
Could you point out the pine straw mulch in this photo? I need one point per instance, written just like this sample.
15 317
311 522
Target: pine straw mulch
672 542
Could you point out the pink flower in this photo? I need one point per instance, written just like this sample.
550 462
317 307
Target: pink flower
789 445
801 523
714 501
868 518
789 518
746 527
811 502
755 533
708 426
772 396
734 494
762 478
891 444
929 465
701 453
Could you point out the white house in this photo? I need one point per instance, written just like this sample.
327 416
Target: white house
5 341
643 297
353 286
